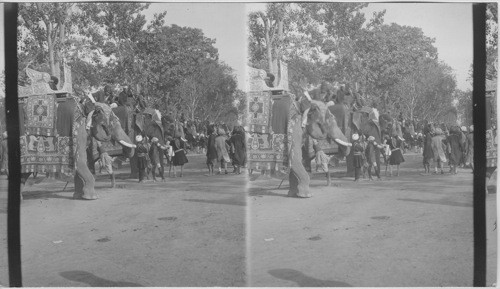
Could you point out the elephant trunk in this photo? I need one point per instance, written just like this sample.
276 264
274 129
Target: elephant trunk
335 134
127 146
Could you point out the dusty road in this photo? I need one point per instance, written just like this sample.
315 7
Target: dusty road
188 231
410 230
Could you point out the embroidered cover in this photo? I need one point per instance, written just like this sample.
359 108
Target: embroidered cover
266 150
41 153
41 115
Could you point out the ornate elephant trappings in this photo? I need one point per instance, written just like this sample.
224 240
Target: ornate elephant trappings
267 126
43 148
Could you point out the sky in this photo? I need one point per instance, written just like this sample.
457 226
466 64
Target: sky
224 22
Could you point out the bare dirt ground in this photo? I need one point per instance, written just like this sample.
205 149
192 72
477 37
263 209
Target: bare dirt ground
411 230
187 231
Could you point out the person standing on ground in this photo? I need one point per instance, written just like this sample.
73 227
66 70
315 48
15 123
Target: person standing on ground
156 156
238 142
222 148
363 143
373 157
396 158
106 162
427 153
4 155
142 160
470 147
179 158
455 148
358 156
438 150
211 150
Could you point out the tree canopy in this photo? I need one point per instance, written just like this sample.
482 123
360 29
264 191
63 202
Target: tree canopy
397 67
113 43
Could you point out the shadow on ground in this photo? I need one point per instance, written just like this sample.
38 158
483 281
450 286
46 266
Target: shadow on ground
303 280
232 201
438 202
94 281
32 195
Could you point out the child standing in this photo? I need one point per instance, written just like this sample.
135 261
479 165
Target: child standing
396 157
179 158
142 157
211 150
358 156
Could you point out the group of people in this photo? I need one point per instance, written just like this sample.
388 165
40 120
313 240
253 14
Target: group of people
151 155
367 153
454 145
223 149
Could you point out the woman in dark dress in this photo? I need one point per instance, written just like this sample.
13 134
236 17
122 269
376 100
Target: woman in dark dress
237 141
179 158
396 157
211 150
455 148
427 153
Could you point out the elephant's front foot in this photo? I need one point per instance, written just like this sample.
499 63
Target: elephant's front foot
77 196
94 197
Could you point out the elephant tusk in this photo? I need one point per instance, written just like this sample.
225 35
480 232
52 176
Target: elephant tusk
124 143
339 141
91 98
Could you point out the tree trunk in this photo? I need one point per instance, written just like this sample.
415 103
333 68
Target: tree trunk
50 45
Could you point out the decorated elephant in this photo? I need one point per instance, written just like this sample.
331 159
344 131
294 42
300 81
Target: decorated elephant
147 123
53 133
365 121
322 126
57 142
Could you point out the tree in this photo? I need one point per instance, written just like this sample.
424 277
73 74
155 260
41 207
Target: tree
115 29
165 56
491 40
209 93
427 92
45 28
267 34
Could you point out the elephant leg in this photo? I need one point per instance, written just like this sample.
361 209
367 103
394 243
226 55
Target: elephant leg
299 178
84 180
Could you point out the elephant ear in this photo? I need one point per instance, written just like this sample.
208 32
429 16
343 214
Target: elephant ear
357 118
139 121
